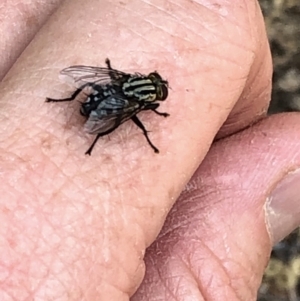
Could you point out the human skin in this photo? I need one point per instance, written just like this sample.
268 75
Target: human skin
75 227
19 22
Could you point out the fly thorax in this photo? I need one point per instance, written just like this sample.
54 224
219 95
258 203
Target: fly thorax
141 88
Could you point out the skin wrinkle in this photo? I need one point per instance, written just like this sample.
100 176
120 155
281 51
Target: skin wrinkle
164 281
35 176
124 25
190 29
236 25
181 291
226 60
19 265
168 32
241 287
168 286
185 219
27 18
248 10
173 18
235 283
220 37
254 75
71 263
26 134
243 105
140 266
188 266
210 280
15 177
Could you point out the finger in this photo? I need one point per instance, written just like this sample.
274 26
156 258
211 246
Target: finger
19 23
124 187
217 239
253 102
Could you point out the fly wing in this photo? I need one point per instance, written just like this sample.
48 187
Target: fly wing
110 113
80 75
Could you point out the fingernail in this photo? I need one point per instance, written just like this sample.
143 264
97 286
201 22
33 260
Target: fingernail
283 207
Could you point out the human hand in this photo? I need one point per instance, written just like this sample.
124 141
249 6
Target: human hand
76 227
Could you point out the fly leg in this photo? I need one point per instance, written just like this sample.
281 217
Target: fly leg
160 113
141 126
111 73
153 107
107 62
114 74
72 97
89 151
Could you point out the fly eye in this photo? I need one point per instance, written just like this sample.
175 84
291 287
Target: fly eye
154 76
162 85
163 92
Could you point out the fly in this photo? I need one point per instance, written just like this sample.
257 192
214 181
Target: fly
115 97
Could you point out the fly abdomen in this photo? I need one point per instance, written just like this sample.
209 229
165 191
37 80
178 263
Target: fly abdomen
89 105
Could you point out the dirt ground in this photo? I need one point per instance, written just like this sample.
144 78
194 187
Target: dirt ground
283 25
281 281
